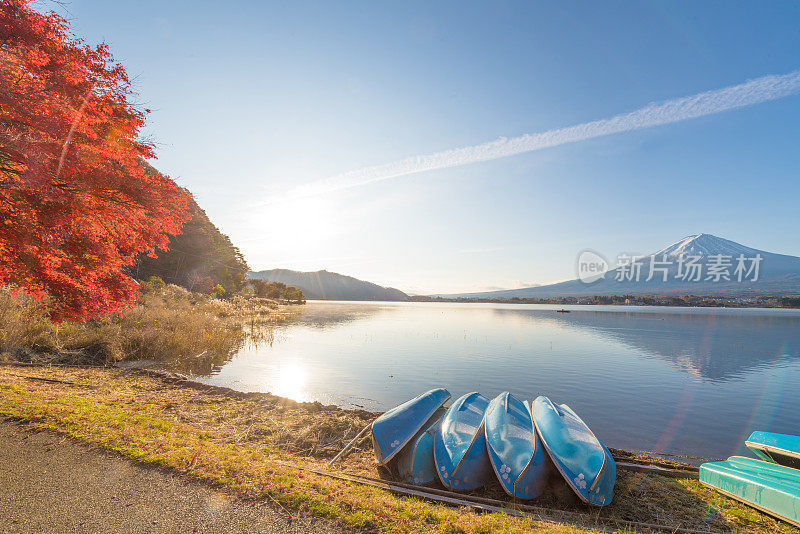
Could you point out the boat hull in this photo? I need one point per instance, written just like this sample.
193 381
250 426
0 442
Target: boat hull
516 455
766 486
782 449
585 463
415 464
459 446
395 428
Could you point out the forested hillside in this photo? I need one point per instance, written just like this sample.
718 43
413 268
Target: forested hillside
198 258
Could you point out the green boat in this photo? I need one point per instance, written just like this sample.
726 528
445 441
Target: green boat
771 488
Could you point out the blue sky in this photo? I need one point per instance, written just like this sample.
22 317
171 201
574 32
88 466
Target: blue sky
251 100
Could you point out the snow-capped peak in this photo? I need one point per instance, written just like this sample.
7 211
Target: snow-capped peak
706 245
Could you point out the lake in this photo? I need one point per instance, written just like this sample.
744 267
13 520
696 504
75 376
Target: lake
677 380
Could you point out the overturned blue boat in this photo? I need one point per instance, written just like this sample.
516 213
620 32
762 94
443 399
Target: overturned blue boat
415 463
459 446
781 449
584 462
395 428
766 486
517 457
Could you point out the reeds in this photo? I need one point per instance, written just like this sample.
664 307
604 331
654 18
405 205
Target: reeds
168 324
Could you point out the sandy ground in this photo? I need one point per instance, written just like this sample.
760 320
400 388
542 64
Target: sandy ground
51 484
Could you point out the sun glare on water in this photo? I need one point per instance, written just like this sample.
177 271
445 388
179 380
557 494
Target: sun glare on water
290 382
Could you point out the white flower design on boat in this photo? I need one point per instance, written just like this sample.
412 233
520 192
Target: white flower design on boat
394 444
580 481
504 471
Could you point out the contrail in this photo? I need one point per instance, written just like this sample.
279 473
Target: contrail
736 96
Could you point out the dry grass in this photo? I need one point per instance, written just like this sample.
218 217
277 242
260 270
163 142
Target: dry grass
170 324
237 440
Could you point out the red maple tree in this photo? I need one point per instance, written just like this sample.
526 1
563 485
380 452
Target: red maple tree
77 201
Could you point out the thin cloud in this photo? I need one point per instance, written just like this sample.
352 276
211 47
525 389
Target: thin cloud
480 250
749 93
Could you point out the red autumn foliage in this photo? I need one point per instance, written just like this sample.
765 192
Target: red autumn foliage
201 284
77 201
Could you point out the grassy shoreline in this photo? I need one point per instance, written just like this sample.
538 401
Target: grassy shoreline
238 441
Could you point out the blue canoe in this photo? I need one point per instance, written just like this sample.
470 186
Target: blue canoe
459 446
395 428
778 448
517 457
415 464
769 487
584 462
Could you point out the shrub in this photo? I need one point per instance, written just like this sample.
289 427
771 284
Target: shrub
154 283
218 291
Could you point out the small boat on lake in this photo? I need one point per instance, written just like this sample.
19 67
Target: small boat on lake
415 464
562 310
781 449
516 455
395 428
459 446
582 459
766 486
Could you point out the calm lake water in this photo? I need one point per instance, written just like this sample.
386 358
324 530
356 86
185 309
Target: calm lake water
675 380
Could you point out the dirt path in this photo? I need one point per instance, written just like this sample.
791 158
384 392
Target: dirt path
51 484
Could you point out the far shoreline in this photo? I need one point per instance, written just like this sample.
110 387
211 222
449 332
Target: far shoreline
573 306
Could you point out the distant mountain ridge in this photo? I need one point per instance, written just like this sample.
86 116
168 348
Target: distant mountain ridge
778 274
325 285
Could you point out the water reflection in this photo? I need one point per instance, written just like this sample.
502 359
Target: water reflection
669 380
255 334
205 363
708 346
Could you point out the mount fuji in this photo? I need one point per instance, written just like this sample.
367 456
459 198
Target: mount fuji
714 257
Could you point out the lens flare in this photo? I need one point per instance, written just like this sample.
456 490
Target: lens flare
763 410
